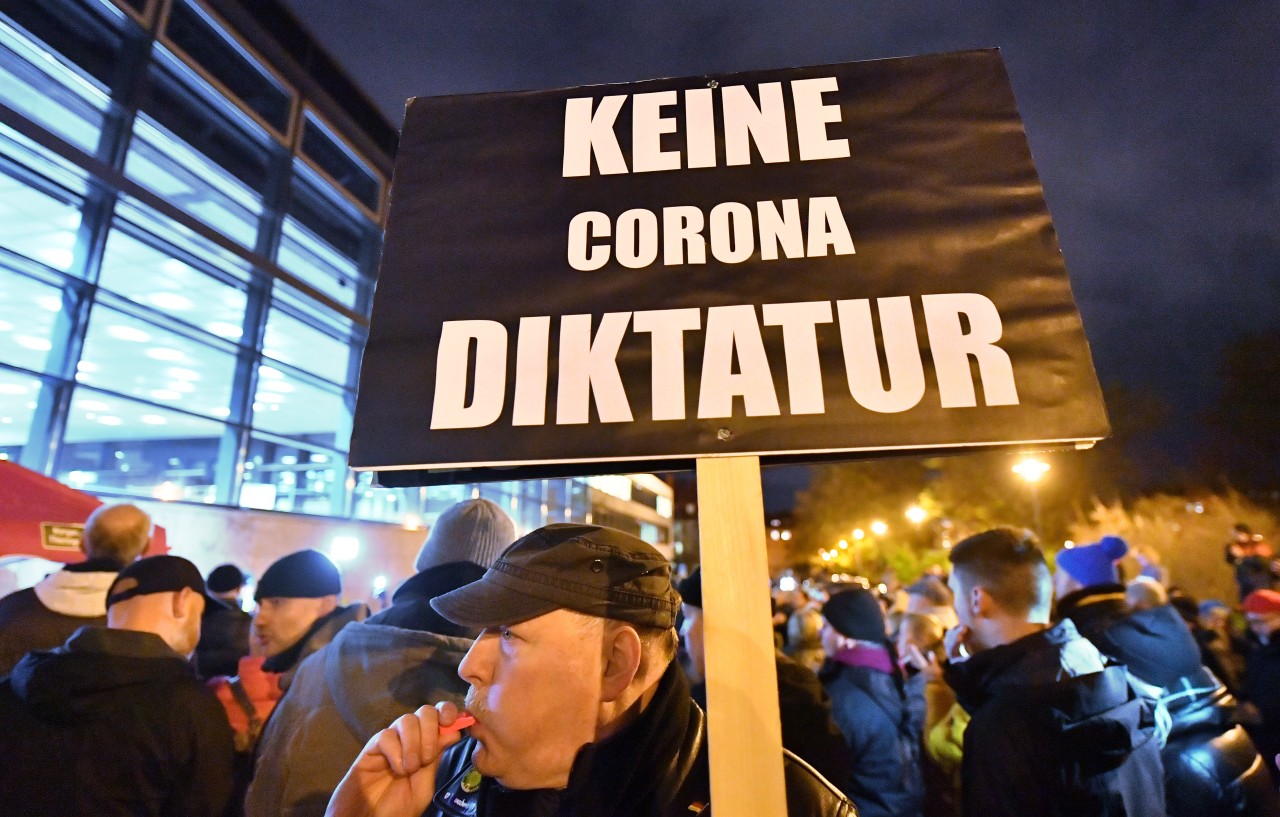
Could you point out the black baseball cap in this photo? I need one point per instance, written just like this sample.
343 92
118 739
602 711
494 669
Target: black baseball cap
155 574
593 570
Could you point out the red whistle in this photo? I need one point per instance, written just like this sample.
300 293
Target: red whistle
464 720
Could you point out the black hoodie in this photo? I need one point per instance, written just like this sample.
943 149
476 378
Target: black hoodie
113 722
1054 731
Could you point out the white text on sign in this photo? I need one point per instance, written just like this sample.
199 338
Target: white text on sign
472 357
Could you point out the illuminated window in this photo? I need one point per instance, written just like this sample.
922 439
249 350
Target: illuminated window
199 152
292 341
137 270
37 225
139 359
28 310
290 477
18 396
57 59
120 446
291 406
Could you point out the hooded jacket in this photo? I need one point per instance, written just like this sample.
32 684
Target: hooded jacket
368 676
1211 766
112 723
1055 732
655 767
45 616
224 639
882 738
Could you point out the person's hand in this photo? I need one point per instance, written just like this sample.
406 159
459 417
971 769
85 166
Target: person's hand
955 642
926 665
395 774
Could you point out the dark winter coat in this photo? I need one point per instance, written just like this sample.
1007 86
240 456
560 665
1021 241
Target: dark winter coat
1055 732
368 676
656 767
1211 767
883 751
112 723
45 616
224 639
808 729
1262 689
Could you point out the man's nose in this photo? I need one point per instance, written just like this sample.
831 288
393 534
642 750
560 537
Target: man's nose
477 665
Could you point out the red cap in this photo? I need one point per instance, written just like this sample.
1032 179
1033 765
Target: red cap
1262 601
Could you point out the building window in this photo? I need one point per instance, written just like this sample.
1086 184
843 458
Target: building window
331 154
114 445
19 394
28 311
217 52
285 476
136 358
58 61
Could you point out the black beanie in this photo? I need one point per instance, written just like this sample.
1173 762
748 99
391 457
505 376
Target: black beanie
224 579
856 613
307 574
691 588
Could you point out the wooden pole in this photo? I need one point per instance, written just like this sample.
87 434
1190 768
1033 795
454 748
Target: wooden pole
744 729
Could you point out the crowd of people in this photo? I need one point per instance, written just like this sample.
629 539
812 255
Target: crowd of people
563 673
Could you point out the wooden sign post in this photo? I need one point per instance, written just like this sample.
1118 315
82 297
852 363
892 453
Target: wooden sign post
744 728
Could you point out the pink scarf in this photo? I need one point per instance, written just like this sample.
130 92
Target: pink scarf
872 656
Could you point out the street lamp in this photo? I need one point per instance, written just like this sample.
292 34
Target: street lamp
879 528
1032 471
915 514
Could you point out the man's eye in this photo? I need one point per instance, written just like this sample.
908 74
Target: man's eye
506 634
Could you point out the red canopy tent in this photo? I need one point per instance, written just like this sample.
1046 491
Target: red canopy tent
42 517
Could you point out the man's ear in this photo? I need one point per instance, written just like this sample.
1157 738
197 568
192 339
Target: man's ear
621 661
184 604
980 603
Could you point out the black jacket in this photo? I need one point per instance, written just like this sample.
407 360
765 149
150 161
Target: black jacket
883 742
112 723
224 639
808 729
1210 765
656 767
1054 732
1262 689
45 616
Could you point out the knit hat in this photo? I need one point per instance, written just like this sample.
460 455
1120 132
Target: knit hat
473 531
155 574
1096 563
857 614
691 588
225 578
307 574
1261 602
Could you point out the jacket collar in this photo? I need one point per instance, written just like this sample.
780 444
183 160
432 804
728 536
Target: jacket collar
640 770
1037 660
1099 600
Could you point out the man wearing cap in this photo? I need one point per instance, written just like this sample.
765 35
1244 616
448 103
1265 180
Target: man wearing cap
805 709
114 721
870 707
224 628
579 706
44 616
1210 765
1055 731
375 670
1262 672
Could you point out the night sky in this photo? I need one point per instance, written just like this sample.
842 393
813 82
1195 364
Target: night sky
1156 133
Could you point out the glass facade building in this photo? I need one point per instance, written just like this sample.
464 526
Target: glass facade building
191 208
